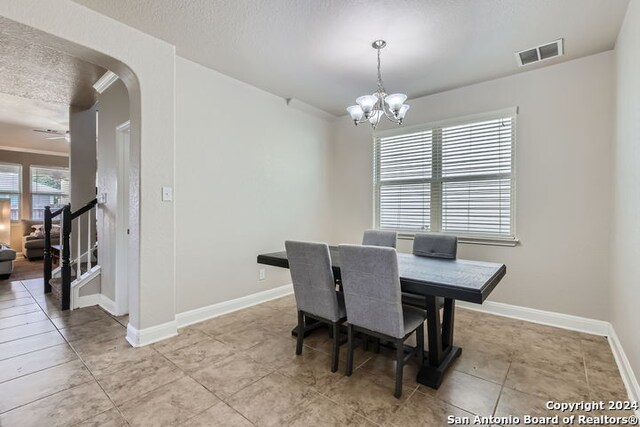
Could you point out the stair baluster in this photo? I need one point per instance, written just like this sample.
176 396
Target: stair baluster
66 266
66 262
47 249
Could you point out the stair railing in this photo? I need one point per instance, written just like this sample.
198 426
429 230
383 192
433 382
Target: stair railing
48 221
65 253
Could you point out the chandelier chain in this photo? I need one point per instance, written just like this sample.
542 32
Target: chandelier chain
380 85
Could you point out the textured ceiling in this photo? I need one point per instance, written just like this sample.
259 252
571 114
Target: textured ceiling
33 71
37 86
318 51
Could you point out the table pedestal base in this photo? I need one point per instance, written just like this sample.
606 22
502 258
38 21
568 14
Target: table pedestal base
432 376
311 325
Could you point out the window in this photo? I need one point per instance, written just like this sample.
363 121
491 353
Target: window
10 187
49 187
453 177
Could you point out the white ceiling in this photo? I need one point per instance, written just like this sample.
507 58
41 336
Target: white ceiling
19 116
319 51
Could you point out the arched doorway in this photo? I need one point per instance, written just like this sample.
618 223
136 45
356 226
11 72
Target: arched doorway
146 66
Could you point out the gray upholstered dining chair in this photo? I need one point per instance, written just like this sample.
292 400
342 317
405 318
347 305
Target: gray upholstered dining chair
435 245
432 246
374 304
315 291
380 238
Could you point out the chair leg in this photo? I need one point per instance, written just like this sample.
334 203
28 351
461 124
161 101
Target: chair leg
399 367
420 339
335 357
300 332
350 345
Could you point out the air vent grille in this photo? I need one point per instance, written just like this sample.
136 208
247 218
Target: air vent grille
540 53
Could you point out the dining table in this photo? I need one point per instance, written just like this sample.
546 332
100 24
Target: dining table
435 279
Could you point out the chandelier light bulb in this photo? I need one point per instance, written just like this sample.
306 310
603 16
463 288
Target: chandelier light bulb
402 111
356 113
367 102
395 101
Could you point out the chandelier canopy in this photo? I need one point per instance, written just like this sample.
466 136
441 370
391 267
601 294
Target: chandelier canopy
371 108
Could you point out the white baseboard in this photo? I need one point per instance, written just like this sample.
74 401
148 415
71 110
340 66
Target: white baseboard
107 304
142 337
88 300
101 300
146 336
78 301
628 376
199 314
559 320
566 321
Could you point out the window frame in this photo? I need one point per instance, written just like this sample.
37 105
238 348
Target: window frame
19 193
34 193
512 112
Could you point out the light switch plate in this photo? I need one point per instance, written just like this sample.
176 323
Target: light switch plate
167 194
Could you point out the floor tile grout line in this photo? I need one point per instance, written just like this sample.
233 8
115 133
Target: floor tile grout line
586 371
356 412
495 407
20 314
33 351
79 357
95 380
84 365
44 397
198 413
24 324
39 370
27 336
188 374
238 391
17 299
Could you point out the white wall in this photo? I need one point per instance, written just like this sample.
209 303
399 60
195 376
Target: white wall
563 147
82 168
625 253
113 110
146 65
250 173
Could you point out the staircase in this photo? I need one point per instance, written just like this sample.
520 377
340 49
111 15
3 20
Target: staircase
65 282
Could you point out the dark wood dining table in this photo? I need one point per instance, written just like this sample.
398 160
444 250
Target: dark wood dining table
458 279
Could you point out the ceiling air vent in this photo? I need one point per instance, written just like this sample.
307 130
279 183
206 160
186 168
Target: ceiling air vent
540 53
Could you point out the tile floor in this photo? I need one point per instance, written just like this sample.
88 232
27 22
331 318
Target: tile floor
23 269
75 368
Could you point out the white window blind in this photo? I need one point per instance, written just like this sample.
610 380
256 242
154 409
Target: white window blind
11 186
49 187
453 178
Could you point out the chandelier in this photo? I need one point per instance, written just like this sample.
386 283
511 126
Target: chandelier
371 108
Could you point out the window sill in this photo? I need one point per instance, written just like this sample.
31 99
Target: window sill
488 241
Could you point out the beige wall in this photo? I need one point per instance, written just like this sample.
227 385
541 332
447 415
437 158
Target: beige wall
82 168
113 110
147 66
625 253
26 160
250 173
563 173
